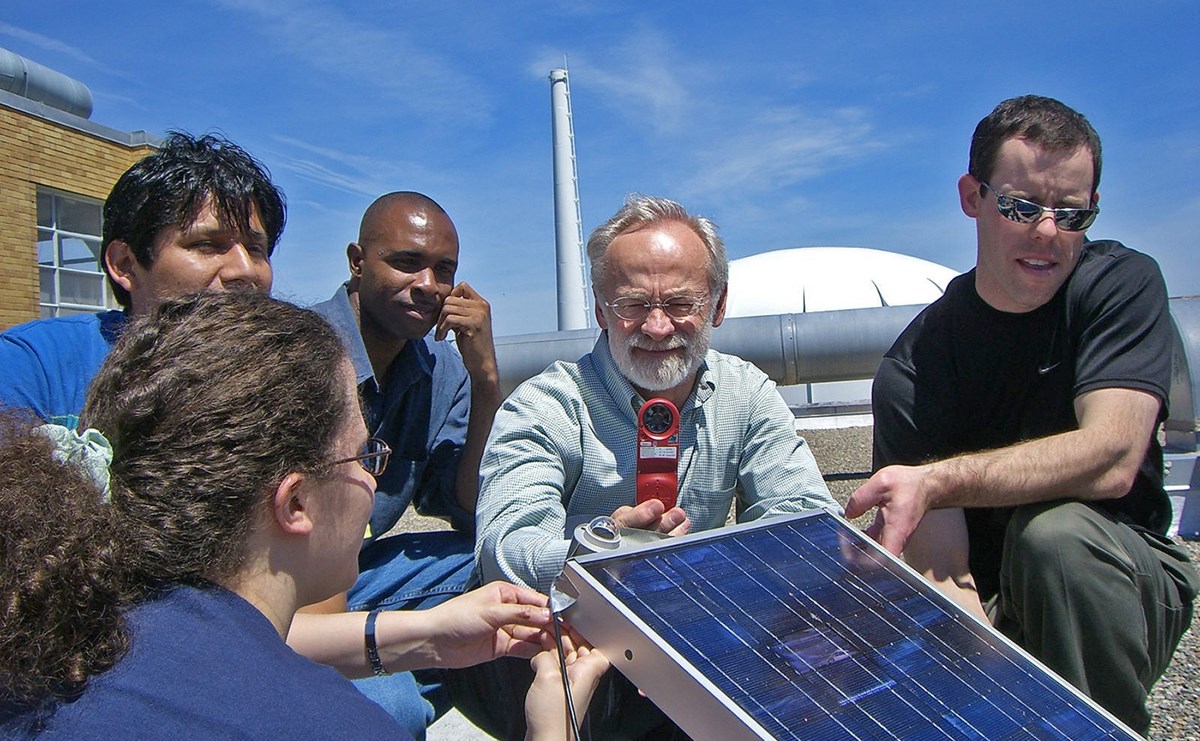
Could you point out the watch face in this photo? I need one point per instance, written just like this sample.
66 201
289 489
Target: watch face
658 418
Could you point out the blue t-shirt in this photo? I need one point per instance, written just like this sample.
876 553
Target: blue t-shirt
47 365
422 414
204 663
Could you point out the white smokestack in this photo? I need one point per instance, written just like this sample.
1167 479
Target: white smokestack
568 229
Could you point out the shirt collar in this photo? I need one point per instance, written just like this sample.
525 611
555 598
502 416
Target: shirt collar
112 323
345 323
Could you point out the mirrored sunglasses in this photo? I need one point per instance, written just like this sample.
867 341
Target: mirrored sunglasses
1027 212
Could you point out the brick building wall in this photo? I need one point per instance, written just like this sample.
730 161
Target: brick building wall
51 149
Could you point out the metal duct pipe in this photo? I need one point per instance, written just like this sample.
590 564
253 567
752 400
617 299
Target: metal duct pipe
847 345
523 356
817 346
1181 426
790 348
568 229
31 80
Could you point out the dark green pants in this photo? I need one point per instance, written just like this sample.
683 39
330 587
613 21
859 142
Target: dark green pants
1101 603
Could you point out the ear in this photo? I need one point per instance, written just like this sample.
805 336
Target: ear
354 258
290 506
968 195
120 263
597 303
1095 199
719 313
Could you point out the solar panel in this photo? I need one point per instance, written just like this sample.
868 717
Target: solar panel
801 627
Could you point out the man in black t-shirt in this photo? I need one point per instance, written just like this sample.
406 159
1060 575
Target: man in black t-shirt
1017 464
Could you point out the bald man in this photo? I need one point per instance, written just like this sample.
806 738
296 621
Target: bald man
433 405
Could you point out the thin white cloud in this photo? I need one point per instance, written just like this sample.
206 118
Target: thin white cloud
357 162
381 56
644 78
1166 236
345 171
121 101
55 46
47 43
318 173
779 147
713 134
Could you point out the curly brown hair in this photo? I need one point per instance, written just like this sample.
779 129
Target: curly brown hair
209 402
60 593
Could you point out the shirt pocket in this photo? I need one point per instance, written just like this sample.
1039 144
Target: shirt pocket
707 506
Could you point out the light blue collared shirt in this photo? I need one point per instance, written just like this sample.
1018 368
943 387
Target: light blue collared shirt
563 450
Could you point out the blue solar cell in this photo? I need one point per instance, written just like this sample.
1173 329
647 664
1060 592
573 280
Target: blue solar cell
815 633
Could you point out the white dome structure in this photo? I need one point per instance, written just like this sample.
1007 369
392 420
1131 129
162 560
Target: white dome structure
804 279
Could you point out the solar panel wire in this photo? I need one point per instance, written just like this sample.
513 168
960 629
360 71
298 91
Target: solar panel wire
566 682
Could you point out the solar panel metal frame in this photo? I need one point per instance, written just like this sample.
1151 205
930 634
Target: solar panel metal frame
691 699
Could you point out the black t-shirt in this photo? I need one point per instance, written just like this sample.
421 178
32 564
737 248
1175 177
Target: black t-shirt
964 377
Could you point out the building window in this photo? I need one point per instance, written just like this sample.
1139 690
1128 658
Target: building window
72 280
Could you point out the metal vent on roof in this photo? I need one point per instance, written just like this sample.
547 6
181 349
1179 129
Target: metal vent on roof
39 83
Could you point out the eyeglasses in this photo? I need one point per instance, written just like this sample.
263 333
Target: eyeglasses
373 458
633 309
1027 212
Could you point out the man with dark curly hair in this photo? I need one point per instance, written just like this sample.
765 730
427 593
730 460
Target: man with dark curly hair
198 213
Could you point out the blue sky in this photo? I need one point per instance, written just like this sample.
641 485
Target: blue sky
790 124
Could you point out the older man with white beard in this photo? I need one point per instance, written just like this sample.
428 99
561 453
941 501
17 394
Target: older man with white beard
563 447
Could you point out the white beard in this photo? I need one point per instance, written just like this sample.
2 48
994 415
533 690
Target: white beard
660 375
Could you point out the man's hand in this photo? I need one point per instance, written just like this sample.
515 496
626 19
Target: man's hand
470 317
497 619
650 515
902 497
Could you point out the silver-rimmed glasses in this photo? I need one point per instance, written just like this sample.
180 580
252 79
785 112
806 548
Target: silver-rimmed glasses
373 457
633 309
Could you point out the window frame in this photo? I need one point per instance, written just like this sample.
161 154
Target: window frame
56 269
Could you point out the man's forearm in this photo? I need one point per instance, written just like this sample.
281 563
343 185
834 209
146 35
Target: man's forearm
1092 463
469 316
1097 461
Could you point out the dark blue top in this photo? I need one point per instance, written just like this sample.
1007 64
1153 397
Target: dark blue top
204 663
422 413
47 365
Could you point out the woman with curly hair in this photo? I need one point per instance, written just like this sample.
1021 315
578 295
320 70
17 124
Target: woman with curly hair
150 574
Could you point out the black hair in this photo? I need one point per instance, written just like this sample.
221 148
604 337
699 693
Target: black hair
169 187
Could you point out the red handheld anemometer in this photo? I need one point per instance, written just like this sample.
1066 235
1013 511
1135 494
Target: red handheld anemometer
658 452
